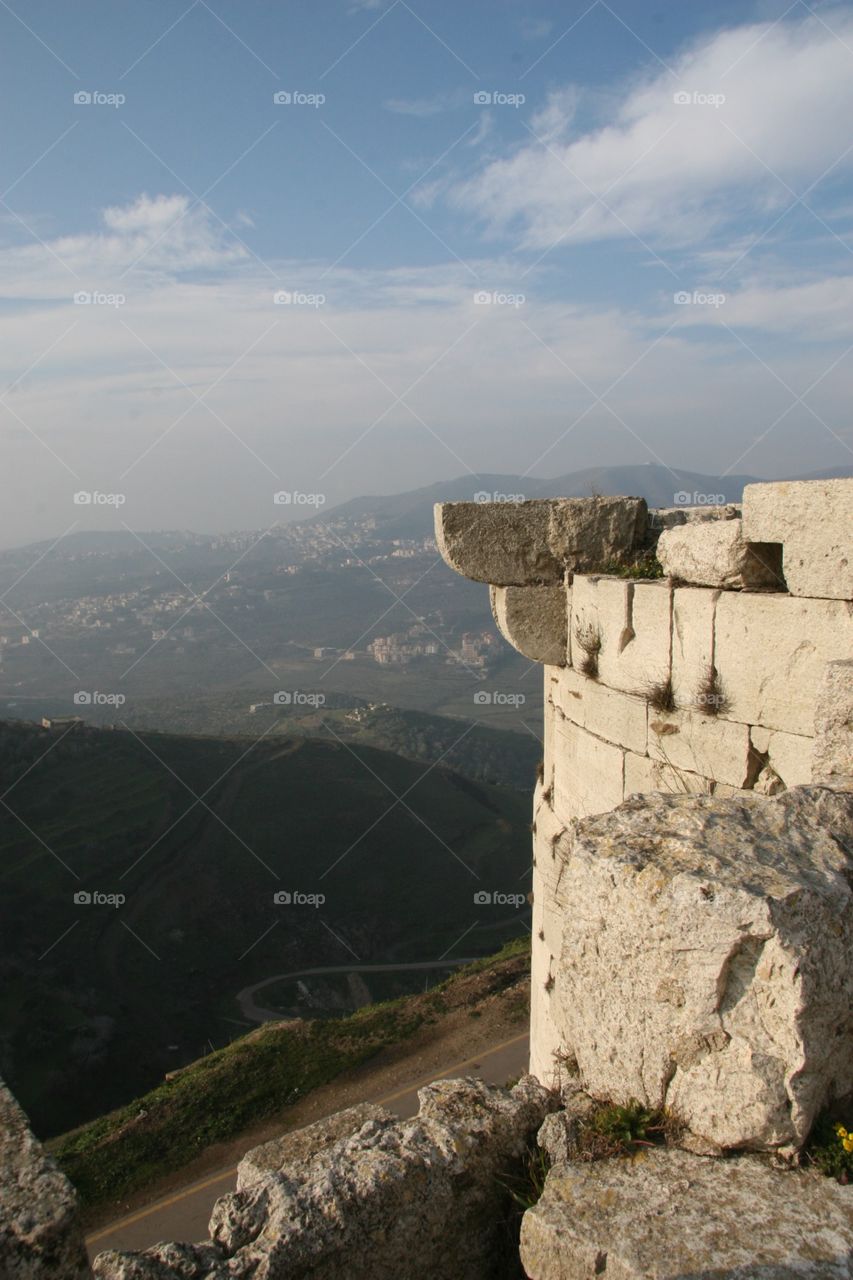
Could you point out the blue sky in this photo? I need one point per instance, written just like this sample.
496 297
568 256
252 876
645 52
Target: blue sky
655 200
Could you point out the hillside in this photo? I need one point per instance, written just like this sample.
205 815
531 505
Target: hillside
100 998
265 1075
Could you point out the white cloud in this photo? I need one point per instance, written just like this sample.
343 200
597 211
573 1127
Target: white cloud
678 172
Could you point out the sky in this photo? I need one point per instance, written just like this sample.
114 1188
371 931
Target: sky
323 248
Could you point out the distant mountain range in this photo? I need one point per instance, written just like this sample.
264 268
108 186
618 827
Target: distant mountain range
410 515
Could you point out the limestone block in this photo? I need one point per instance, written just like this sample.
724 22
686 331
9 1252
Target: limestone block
833 748
41 1237
789 755
676 1216
770 652
707 959
715 554
285 1155
643 775
618 717
715 749
504 543
589 774
630 623
813 519
693 610
534 620
587 533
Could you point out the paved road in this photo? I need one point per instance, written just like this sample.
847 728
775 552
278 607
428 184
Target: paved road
184 1215
257 1013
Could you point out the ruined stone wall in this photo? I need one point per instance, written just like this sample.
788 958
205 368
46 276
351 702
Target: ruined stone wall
729 675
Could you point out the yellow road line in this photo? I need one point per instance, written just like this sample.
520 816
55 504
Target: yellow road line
229 1173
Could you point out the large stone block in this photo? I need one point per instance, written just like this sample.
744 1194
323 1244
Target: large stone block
503 543
41 1236
588 775
693 610
789 755
534 620
588 533
643 775
715 554
833 747
770 652
628 625
813 520
707 959
715 749
671 1215
618 717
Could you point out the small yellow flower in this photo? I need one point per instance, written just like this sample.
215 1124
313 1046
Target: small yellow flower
847 1144
841 1131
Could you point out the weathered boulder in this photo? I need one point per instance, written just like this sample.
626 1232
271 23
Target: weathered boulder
714 554
707 959
40 1233
669 1215
396 1200
534 620
833 748
813 520
291 1151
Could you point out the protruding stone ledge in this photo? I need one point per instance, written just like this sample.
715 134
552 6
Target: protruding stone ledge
715 554
534 620
813 519
673 1215
516 544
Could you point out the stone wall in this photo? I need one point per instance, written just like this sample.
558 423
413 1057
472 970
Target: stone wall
730 675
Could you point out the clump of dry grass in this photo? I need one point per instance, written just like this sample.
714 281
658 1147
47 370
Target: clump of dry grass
660 695
588 640
711 698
